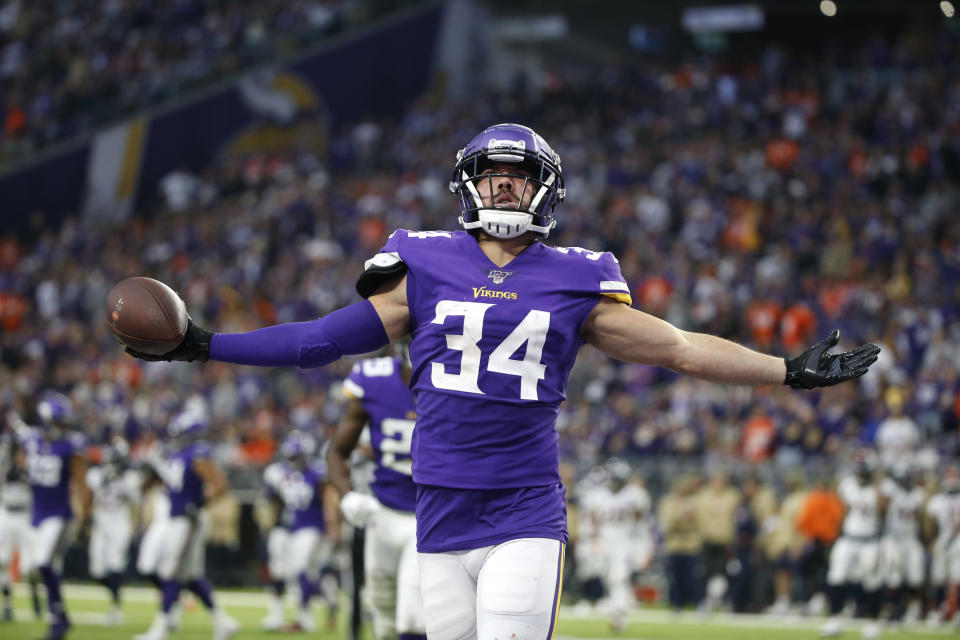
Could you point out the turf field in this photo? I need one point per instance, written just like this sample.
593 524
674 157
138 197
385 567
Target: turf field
87 604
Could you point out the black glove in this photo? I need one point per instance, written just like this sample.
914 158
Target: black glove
816 368
195 346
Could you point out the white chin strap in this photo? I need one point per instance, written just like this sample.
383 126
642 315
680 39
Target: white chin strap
506 223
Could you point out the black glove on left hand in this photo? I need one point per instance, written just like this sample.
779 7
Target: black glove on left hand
194 346
816 368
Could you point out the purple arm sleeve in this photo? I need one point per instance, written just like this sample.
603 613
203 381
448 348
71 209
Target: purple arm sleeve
351 330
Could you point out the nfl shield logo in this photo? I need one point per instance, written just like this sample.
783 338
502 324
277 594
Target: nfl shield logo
499 276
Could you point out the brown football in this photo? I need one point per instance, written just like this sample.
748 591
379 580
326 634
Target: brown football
147 315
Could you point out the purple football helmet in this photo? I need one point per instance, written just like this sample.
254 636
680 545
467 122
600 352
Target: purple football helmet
55 409
187 424
542 178
298 446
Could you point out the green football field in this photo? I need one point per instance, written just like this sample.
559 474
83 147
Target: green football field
87 605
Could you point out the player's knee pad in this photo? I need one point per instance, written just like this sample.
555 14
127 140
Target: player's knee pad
517 590
510 581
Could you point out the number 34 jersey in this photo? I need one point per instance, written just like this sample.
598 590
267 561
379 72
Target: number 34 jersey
492 348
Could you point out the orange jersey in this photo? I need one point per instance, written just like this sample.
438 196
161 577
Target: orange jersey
820 516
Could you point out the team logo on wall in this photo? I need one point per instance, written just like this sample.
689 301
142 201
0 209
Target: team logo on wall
499 276
288 114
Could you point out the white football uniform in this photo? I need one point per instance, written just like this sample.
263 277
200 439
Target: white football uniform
392 571
111 529
627 541
15 529
497 575
590 548
855 555
944 508
279 536
183 554
902 554
151 545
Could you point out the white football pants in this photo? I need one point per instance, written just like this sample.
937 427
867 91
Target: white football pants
509 591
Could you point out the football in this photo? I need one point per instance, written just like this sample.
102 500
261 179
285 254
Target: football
147 315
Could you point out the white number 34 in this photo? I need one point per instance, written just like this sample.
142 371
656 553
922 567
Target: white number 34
532 330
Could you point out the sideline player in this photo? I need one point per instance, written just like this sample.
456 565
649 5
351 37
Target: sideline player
274 520
300 483
192 480
379 397
496 318
56 468
115 488
15 532
855 557
150 552
944 509
902 556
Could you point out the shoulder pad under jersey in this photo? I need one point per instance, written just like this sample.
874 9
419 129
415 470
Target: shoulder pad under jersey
378 270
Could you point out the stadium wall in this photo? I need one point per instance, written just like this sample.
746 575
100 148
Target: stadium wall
376 72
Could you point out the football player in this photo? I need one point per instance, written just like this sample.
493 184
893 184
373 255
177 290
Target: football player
56 468
275 520
311 504
378 396
854 569
192 480
902 555
629 536
496 318
15 533
115 489
944 509
156 500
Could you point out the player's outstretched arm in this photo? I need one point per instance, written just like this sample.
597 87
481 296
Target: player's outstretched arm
359 328
634 336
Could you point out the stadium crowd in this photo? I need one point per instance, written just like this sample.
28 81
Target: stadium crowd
67 68
767 201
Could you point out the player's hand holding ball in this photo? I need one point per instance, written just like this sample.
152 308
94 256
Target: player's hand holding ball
150 319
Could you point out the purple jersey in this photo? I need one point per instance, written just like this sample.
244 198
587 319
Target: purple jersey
378 384
48 467
300 492
184 484
492 348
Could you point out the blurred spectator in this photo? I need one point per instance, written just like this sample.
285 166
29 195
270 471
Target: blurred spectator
67 66
677 515
897 435
818 521
716 518
786 542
